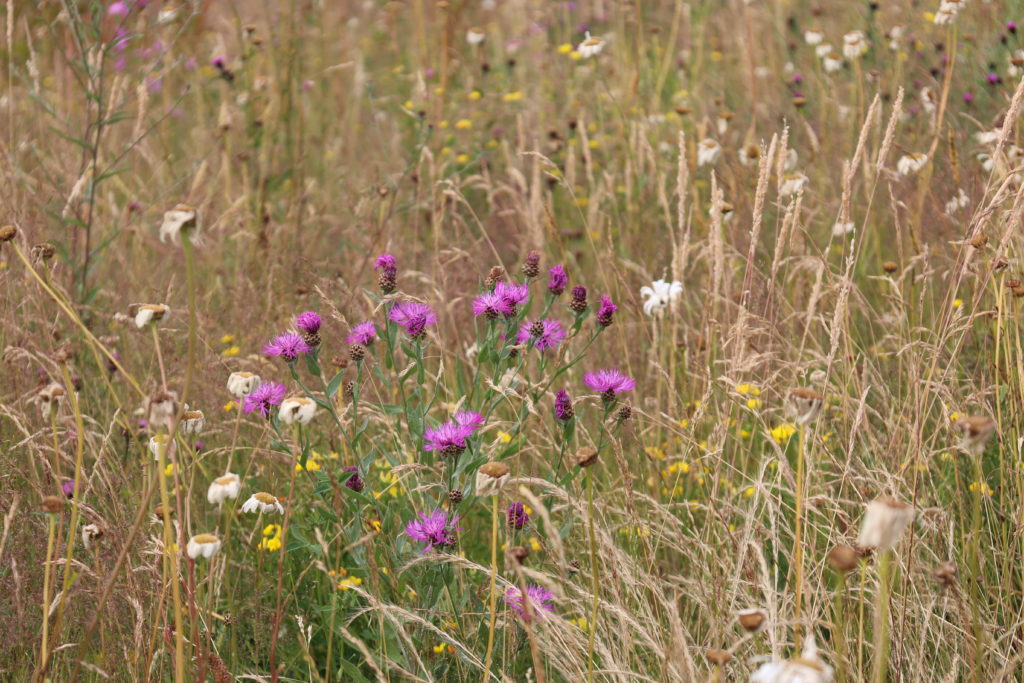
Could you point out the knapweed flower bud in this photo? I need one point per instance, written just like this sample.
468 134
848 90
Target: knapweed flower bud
148 313
752 620
606 312
357 352
455 496
578 303
308 325
263 503
192 422
531 266
586 456
890 267
8 233
804 405
181 217
557 280
224 488
387 278
241 384
90 534
354 482
53 505
491 477
843 558
297 409
517 515
718 657
563 406
493 277
975 431
625 412
203 545
885 520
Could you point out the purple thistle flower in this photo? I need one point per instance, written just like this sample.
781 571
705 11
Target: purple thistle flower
363 333
606 312
992 77
539 599
609 383
449 438
387 263
968 97
1011 26
433 529
513 294
289 346
557 280
413 317
263 398
469 419
517 517
68 488
563 406
308 322
551 333
219 63
354 482
492 305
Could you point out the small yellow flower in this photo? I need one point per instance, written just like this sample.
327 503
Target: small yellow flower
564 48
954 416
574 55
929 16
783 432
754 403
408 104
272 530
231 351
748 492
349 582
593 144
748 389
442 124
580 623
512 96
957 303
462 158
474 95
684 423
230 405
504 437
271 544
716 56
438 91
463 124
534 544
169 470
745 434
982 488
227 339
439 648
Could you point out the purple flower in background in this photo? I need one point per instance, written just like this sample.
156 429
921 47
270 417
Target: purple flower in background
118 9
219 63
992 77
606 312
469 419
433 529
289 346
263 398
517 517
308 322
492 305
387 263
512 294
1011 26
557 280
545 334
68 488
363 333
968 97
413 317
609 383
539 600
563 406
449 438
354 482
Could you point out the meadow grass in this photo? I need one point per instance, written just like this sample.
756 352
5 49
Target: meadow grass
791 234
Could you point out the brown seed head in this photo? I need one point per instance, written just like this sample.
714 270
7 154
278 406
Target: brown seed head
890 267
718 657
43 251
752 620
519 554
494 469
53 505
7 233
843 558
945 574
979 240
586 456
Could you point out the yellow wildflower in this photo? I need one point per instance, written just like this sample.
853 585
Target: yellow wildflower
231 351
351 581
227 339
748 389
504 437
463 124
783 432
474 95
564 48
512 96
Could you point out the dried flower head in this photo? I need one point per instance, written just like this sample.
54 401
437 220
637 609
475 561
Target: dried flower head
148 313
8 233
53 505
807 668
192 422
752 619
491 478
843 558
181 218
297 410
90 534
241 384
803 405
885 520
975 431
945 574
224 488
50 397
718 657
586 456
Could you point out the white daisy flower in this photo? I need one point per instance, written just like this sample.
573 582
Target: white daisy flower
708 152
148 313
203 545
659 295
297 409
223 488
840 228
590 47
911 163
823 50
813 36
808 668
792 183
192 421
958 202
264 503
854 44
832 62
241 384
885 520
158 441
475 36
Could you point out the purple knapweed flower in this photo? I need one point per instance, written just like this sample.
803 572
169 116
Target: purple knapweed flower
119 9
1011 26
968 97
545 334
386 262
992 77
609 383
517 516
354 482
539 599
363 333
289 346
557 280
308 322
513 294
491 305
413 317
470 419
68 488
563 406
263 398
433 529
450 437
578 304
219 63
606 312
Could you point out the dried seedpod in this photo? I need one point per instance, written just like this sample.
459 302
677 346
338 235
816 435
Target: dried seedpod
586 456
975 431
843 558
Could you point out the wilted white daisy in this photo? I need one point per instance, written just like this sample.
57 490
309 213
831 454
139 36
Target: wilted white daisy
490 478
791 159
792 183
241 384
161 409
947 11
823 50
722 122
264 503
957 202
975 431
181 217
895 33
192 421
839 228
223 488
659 295
749 155
297 409
854 44
928 100
475 36
813 36
708 152
591 46
147 313
90 533
808 668
885 520
985 159
203 545
158 441
987 137
911 163
832 62
804 405
50 397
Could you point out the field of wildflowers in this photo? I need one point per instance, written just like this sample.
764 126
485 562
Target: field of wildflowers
513 340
